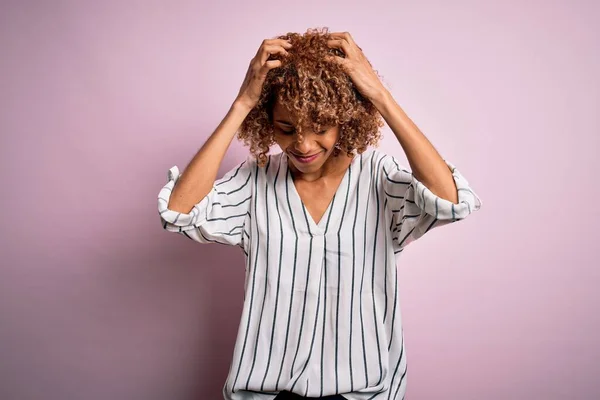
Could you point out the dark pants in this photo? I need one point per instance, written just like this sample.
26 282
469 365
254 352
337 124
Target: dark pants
285 395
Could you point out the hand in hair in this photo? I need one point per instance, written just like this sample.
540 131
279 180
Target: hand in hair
356 65
260 65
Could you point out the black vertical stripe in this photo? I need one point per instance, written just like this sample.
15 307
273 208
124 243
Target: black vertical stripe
304 305
396 370
287 332
356 202
253 267
369 191
394 309
278 276
316 313
325 287
375 251
385 294
337 310
267 241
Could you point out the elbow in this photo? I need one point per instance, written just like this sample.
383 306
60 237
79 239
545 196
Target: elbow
177 202
180 207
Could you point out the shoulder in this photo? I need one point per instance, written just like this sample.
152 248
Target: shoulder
274 162
270 169
387 169
275 159
376 160
389 162
246 165
271 159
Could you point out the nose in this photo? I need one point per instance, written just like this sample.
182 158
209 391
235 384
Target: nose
302 145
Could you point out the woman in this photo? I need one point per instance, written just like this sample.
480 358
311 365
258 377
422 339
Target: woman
319 223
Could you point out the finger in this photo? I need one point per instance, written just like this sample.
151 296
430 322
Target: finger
271 49
336 60
279 41
343 35
347 37
340 44
271 42
269 65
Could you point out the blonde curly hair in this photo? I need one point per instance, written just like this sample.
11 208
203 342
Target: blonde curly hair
317 93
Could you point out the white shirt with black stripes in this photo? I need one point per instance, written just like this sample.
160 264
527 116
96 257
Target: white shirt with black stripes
321 308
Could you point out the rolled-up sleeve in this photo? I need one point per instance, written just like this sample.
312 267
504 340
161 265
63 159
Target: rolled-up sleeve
220 216
415 209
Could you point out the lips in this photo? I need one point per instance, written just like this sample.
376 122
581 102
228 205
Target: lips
305 159
309 156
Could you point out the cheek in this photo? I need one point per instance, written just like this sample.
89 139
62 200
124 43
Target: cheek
331 140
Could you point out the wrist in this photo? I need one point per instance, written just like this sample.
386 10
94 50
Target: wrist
381 99
242 106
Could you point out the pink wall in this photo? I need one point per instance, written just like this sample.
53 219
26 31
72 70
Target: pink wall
99 99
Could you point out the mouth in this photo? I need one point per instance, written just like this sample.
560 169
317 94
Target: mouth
306 159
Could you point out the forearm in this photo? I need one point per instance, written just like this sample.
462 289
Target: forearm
426 163
198 177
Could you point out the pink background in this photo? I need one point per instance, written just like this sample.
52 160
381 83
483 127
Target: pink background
99 99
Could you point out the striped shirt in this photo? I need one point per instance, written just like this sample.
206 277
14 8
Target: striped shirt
321 308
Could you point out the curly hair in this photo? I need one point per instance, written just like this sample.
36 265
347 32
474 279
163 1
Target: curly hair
317 93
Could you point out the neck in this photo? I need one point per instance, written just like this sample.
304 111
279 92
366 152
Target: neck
332 167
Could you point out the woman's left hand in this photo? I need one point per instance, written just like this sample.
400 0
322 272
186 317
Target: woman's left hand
356 65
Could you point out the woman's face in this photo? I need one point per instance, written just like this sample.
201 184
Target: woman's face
309 152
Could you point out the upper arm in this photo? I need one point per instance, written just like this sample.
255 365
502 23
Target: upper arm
414 208
220 216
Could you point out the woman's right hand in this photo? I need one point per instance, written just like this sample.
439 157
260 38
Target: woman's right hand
257 71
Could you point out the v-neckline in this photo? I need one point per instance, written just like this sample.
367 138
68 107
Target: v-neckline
318 227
